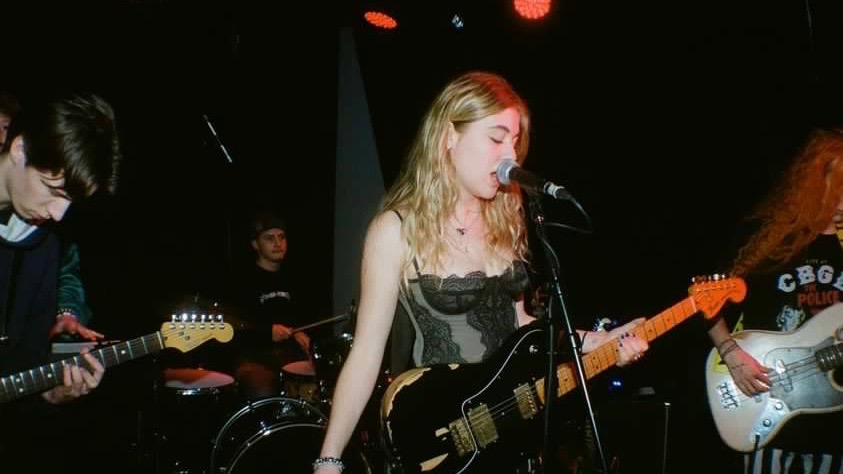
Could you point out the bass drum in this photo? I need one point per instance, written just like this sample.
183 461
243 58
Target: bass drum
278 433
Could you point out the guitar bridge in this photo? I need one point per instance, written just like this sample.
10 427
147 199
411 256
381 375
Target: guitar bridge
480 426
461 436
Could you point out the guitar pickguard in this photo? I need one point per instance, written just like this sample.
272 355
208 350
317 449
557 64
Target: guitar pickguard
802 366
803 385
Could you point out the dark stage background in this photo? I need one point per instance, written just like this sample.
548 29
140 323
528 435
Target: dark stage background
666 120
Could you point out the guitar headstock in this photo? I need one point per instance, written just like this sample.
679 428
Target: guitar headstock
185 332
710 293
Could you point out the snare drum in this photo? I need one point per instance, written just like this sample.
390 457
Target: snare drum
299 381
279 433
192 406
188 382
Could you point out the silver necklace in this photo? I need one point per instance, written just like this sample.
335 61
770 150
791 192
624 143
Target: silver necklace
463 228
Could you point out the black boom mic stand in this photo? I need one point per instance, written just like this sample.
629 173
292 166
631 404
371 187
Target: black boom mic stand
550 323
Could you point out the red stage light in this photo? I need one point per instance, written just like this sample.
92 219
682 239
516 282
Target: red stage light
532 9
381 20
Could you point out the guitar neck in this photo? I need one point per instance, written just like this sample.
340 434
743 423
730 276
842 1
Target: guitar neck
606 356
41 378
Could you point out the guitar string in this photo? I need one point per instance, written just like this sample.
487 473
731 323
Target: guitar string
502 408
777 378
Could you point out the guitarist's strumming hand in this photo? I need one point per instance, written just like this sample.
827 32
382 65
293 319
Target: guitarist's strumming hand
77 381
67 323
748 374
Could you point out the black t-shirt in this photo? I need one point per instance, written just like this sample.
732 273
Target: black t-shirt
260 299
784 300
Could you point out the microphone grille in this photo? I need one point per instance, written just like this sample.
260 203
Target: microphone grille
504 168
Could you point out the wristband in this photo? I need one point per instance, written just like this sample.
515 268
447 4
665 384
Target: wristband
66 312
329 461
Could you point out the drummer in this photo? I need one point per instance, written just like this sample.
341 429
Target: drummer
266 305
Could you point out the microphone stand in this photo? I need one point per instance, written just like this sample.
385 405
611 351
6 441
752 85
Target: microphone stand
228 218
550 381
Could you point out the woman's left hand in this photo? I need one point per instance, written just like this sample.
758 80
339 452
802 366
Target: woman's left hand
631 348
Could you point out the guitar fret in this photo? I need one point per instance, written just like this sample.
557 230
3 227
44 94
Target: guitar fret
32 382
53 368
116 354
41 374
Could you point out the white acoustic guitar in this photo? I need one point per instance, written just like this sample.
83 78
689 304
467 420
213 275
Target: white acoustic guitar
801 369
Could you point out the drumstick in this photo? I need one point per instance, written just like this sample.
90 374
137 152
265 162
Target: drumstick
319 323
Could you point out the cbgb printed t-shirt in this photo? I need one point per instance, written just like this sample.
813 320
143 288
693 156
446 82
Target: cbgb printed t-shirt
785 299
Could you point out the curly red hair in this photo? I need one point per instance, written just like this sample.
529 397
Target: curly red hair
811 191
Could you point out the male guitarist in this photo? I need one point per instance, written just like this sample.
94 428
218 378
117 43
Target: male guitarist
57 151
793 265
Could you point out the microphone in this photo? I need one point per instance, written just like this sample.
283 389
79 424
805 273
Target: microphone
509 171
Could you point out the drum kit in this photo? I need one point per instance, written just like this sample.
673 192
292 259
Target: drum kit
204 425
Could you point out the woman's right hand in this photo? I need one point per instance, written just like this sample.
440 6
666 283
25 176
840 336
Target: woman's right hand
748 374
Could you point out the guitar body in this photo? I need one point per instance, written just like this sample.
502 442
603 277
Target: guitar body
427 413
802 362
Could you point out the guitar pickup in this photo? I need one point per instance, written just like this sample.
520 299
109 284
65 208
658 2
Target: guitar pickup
526 401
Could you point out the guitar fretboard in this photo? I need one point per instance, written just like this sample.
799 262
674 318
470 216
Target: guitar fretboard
47 376
607 355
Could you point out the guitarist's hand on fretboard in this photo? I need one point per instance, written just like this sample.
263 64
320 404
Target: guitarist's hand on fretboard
77 381
630 347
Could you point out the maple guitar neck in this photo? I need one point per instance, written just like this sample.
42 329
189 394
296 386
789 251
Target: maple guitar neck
606 356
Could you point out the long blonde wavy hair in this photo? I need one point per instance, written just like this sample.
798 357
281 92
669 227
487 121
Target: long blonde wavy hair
425 192
790 220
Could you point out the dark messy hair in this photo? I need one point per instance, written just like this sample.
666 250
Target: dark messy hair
74 136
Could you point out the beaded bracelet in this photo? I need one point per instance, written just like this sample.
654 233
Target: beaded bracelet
66 312
724 341
336 462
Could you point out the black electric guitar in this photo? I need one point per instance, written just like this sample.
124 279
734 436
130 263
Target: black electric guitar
455 418
182 334
801 369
